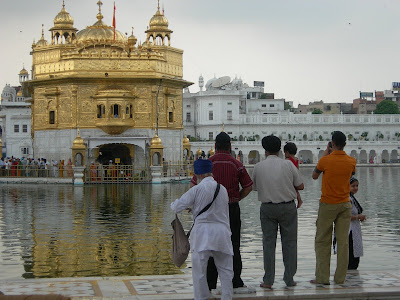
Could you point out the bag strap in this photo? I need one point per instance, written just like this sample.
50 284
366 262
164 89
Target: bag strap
206 207
209 204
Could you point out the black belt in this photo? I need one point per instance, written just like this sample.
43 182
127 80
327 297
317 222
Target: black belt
279 202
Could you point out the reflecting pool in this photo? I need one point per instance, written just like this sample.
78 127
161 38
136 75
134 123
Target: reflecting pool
113 230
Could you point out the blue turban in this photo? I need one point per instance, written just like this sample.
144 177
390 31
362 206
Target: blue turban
202 166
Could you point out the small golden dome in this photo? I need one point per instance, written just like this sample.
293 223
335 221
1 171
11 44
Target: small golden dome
158 20
23 72
132 39
186 140
212 151
156 140
199 152
19 94
42 41
78 142
63 19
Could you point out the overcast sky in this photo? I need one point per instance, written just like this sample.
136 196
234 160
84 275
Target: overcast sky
304 50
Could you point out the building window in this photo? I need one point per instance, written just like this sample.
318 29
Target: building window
263 105
24 128
25 150
209 104
210 136
272 105
229 103
229 115
230 132
188 105
170 117
210 115
52 117
101 111
115 111
16 128
1 131
188 117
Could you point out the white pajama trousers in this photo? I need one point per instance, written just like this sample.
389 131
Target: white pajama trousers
224 264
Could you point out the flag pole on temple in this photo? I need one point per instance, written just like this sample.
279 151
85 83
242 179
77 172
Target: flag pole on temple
114 20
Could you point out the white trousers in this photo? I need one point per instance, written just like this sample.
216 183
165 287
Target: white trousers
224 264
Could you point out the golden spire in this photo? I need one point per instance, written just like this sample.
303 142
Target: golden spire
99 15
158 5
223 127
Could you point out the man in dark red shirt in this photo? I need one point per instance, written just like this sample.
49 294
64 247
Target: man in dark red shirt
231 173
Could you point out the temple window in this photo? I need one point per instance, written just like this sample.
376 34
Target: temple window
115 109
52 117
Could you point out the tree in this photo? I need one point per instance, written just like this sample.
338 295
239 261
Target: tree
316 111
350 137
305 137
387 107
287 106
364 135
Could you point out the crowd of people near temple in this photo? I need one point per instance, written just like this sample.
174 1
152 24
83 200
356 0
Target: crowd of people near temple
278 182
30 167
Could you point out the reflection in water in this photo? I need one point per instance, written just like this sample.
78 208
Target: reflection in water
111 230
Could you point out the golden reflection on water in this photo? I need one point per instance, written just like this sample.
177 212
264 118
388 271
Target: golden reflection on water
100 230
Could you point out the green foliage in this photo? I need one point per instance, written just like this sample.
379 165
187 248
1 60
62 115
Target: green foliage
387 107
287 106
317 111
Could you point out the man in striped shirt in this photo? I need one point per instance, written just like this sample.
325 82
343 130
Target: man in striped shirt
231 173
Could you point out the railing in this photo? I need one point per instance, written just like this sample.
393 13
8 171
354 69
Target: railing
177 170
36 171
116 174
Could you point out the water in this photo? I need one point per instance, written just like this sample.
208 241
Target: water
115 230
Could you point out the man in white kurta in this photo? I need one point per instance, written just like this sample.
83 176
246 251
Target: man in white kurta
211 234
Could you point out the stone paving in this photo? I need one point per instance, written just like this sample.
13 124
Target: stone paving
359 285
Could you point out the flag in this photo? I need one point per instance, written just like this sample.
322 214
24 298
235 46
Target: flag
114 20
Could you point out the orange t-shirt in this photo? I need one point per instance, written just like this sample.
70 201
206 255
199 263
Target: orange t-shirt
337 169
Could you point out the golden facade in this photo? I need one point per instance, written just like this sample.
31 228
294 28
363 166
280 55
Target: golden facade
99 79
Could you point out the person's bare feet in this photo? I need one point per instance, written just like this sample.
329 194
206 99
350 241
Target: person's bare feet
265 286
314 281
292 284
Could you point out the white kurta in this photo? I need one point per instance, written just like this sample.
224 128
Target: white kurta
210 236
355 228
211 230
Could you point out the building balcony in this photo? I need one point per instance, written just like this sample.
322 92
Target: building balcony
114 126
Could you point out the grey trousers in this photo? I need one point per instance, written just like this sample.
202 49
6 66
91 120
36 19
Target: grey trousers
283 215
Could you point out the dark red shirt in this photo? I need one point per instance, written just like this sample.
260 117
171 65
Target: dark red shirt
229 172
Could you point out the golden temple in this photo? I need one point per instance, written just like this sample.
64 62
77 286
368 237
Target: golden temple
116 91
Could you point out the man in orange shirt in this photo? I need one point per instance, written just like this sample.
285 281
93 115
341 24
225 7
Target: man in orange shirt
334 208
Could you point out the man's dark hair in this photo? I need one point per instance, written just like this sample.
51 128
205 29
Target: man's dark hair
290 147
271 143
339 138
222 142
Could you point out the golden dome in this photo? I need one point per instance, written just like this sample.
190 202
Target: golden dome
158 20
186 140
78 142
99 32
132 39
155 140
212 151
19 94
42 41
63 19
199 152
23 72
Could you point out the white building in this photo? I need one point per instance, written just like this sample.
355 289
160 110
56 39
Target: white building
15 121
225 102
239 110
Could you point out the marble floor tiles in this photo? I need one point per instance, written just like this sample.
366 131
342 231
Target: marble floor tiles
358 285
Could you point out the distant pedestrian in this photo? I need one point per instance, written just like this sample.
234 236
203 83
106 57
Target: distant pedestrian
290 150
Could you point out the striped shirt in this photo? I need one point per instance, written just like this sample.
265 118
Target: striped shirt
229 172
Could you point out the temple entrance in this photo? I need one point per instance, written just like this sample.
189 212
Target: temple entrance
112 151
